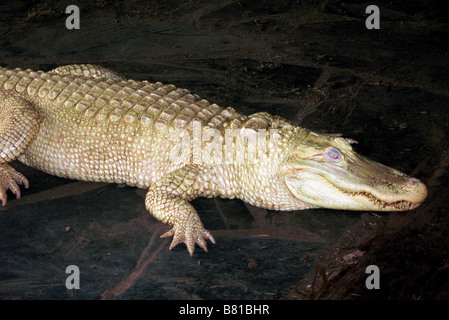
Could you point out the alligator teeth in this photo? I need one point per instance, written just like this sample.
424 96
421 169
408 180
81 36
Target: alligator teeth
398 204
402 205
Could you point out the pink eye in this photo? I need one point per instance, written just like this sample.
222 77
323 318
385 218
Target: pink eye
333 155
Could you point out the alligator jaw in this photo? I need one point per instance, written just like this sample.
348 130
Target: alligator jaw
318 189
401 205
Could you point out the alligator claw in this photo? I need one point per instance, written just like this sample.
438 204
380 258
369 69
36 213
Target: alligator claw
10 179
190 235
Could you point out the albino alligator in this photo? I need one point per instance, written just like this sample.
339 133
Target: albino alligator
89 123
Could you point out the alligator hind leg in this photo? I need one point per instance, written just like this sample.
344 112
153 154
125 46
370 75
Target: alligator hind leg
19 124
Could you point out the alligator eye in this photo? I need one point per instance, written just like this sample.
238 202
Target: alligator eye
333 155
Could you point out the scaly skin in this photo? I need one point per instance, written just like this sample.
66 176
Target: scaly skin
88 123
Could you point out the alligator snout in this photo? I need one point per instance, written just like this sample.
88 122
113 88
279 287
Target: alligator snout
416 190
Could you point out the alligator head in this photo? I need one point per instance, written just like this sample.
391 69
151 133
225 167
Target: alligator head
324 171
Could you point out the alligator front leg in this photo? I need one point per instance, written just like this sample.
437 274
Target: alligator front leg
19 123
167 200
